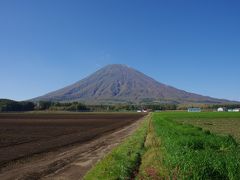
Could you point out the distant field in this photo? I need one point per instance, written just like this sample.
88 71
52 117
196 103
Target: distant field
25 134
224 123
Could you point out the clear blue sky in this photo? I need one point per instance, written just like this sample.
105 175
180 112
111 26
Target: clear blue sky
190 44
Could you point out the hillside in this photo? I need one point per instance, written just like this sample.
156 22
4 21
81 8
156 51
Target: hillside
122 84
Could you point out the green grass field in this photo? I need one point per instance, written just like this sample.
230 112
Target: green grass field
191 152
179 145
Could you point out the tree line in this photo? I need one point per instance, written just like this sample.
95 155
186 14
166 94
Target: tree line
10 105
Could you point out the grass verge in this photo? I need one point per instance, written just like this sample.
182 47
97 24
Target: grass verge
123 161
152 160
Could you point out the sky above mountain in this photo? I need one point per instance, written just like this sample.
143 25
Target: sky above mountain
192 45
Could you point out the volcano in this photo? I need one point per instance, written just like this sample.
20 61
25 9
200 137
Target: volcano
121 84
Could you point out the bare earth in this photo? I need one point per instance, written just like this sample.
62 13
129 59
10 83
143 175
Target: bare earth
60 159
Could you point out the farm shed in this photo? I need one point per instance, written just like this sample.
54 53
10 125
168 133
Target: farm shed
194 109
235 110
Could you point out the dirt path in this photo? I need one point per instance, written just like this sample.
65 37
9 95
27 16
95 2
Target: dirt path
67 163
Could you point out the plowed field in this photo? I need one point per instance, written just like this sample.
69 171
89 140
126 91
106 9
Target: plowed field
24 135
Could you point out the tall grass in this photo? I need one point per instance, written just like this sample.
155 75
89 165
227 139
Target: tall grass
192 153
122 162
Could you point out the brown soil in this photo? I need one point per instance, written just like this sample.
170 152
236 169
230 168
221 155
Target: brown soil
58 146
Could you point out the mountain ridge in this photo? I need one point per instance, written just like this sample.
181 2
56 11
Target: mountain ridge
117 83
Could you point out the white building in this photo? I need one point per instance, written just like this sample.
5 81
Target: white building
143 110
220 109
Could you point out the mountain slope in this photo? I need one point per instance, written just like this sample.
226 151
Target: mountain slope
119 84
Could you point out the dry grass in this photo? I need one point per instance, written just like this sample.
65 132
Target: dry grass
219 126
